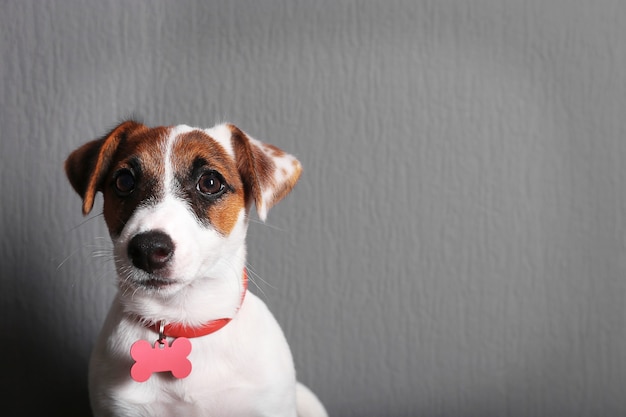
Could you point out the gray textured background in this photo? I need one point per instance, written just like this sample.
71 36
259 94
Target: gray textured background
456 246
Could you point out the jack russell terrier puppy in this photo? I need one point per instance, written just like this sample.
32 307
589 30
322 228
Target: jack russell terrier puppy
184 336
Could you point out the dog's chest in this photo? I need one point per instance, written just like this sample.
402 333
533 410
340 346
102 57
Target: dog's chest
245 369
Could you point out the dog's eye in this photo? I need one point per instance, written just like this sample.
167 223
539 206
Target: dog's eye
210 184
124 182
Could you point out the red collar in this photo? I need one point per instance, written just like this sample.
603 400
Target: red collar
180 330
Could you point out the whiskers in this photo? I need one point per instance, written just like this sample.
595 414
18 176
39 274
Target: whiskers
127 281
87 220
101 249
67 258
266 224
80 249
256 279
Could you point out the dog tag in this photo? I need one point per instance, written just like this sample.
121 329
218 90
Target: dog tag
160 357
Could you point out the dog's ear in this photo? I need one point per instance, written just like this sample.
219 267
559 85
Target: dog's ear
87 165
268 173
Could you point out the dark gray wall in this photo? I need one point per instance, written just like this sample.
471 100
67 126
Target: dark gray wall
456 244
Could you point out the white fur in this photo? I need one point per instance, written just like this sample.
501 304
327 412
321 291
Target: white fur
206 268
221 133
244 369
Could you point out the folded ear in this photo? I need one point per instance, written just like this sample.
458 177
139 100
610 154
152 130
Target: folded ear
268 173
87 165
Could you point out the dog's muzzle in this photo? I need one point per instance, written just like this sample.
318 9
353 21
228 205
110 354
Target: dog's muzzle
151 251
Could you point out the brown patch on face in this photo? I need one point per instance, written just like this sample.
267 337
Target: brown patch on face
131 147
142 155
194 155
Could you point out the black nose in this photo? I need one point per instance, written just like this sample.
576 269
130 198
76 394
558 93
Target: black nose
151 251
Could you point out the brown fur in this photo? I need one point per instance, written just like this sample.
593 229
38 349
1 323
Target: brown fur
256 164
133 146
197 145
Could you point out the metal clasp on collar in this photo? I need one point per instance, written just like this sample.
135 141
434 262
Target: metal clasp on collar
161 339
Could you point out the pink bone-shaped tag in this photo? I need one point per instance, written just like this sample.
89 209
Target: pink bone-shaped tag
160 358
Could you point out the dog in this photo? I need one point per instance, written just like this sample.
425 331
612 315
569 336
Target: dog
177 202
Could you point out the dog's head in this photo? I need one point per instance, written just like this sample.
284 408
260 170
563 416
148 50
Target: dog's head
177 199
